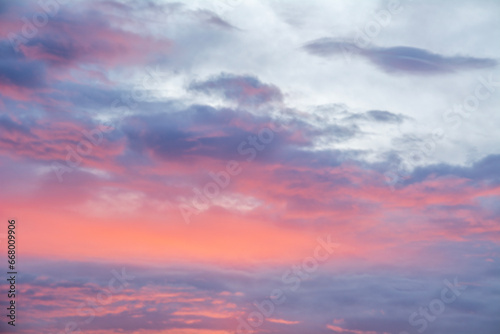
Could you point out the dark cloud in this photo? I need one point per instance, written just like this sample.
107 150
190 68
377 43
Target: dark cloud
213 19
61 47
200 131
486 169
186 133
384 116
296 156
183 134
246 90
7 124
95 97
381 116
19 71
335 132
4 6
29 74
8 7
399 59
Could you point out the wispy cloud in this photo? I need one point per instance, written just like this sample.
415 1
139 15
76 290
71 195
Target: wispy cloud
399 59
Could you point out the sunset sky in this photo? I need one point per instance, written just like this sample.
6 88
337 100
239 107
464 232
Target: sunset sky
244 166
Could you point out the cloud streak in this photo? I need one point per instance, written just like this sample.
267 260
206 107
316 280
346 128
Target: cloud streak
399 59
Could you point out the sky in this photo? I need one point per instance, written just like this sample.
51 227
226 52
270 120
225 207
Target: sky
244 166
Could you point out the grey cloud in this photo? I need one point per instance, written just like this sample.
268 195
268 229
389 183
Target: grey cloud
213 19
487 169
399 59
244 89
380 116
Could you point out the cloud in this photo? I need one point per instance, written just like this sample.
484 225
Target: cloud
486 169
63 43
8 125
19 71
202 131
384 116
243 89
380 116
213 19
399 59
210 298
315 177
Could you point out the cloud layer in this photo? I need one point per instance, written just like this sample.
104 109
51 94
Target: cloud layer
197 168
